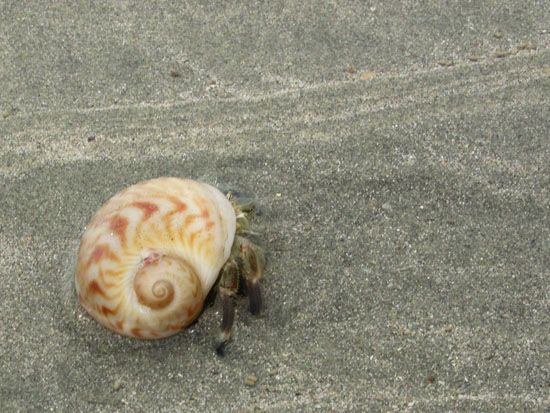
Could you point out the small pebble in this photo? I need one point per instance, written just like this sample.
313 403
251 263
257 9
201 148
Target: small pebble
118 384
251 380
527 46
449 328
502 53
368 75
445 63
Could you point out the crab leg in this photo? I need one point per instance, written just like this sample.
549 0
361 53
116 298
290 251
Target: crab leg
229 285
253 263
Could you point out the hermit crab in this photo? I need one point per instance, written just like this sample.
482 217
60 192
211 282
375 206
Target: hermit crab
152 253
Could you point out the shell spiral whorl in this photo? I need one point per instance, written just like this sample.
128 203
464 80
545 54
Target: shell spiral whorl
151 254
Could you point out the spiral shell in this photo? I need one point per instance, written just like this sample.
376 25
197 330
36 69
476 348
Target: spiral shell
151 254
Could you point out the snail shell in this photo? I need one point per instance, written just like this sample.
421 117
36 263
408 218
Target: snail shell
151 254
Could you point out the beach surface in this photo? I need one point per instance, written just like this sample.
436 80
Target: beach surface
399 156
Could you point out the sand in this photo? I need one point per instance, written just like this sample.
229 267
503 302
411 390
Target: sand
399 156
